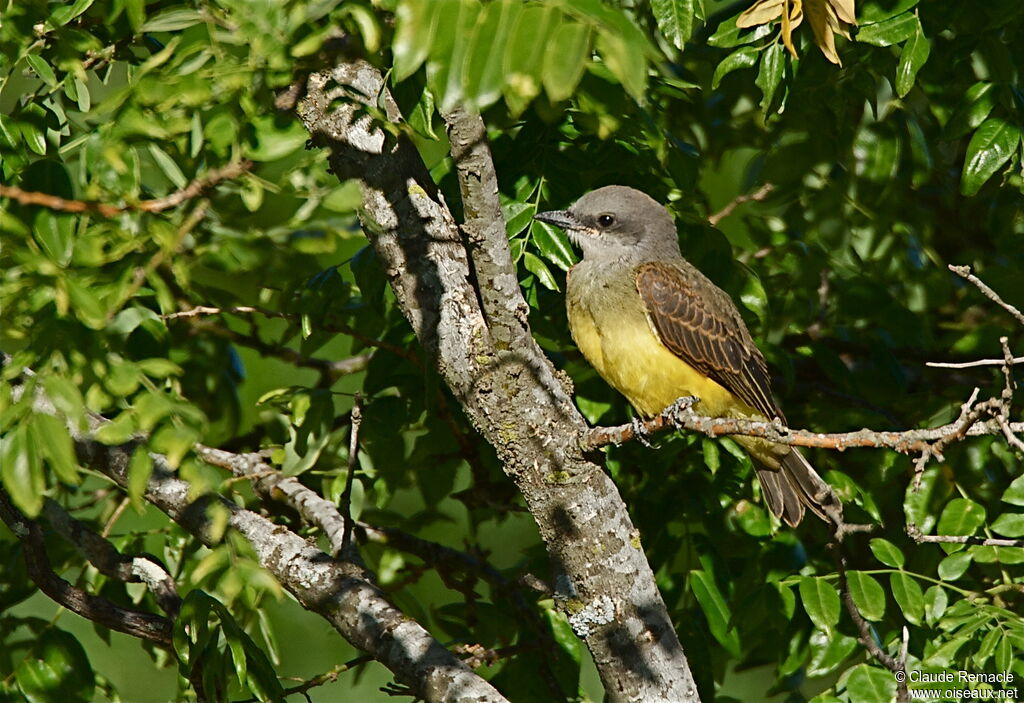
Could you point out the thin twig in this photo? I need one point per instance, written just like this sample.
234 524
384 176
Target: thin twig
865 636
971 364
353 465
192 190
148 626
965 273
333 370
103 555
248 310
907 441
757 196
914 532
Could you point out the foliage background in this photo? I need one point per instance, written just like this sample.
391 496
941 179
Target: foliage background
884 170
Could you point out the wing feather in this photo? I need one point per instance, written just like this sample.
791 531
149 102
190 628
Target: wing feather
698 322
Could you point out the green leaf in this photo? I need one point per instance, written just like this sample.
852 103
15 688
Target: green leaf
524 55
990 147
535 265
952 567
65 13
891 31
42 69
873 12
961 516
886 552
173 20
625 59
140 469
769 74
51 436
912 58
715 610
553 244
167 165
869 684
867 595
566 58
483 73
744 57
828 651
56 670
159 368
729 35
935 601
174 442
675 19
1009 525
1014 494
945 652
21 470
55 232
972 110
821 602
415 26
117 431
33 136
908 596
712 457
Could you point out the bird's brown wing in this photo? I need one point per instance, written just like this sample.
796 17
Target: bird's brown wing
698 322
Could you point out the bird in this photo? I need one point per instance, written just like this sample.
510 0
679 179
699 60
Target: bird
657 329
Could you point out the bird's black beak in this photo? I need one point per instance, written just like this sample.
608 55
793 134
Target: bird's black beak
560 218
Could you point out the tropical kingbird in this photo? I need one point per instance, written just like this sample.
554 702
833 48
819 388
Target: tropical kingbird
657 329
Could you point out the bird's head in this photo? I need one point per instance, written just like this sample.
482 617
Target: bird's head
618 223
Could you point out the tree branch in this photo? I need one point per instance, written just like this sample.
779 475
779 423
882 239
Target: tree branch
148 626
341 592
110 562
914 532
483 349
965 273
194 189
905 441
248 311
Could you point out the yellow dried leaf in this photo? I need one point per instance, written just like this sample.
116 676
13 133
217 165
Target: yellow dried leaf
761 12
844 11
826 17
819 13
792 16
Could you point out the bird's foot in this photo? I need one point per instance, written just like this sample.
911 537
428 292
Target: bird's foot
680 407
641 433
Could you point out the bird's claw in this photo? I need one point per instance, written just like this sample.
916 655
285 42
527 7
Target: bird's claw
682 405
641 432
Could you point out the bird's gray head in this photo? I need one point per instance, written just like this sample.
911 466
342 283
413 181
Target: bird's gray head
617 223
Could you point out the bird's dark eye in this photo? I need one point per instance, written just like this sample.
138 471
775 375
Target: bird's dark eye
606 220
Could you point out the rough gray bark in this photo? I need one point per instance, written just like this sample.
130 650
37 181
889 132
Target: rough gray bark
342 592
469 315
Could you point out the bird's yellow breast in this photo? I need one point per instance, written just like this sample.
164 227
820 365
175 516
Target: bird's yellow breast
610 326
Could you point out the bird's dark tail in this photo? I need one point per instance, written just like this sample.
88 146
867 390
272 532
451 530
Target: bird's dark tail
796 484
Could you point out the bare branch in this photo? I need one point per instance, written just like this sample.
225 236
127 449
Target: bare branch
333 370
201 310
915 534
194 189
147 626
906 441
965 273
865 635
353 464
971 364
343 593
760 194
109 561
